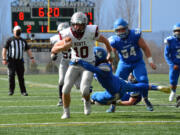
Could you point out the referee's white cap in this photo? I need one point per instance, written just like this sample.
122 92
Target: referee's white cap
16 28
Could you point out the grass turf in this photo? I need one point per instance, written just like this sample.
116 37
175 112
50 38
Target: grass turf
38 114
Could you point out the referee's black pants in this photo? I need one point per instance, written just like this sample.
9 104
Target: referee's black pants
16 66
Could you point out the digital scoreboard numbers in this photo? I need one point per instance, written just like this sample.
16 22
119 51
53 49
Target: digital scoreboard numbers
34 17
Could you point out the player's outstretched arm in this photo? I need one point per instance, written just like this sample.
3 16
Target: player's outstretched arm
90 67
104 40
131 101
147 52
62 45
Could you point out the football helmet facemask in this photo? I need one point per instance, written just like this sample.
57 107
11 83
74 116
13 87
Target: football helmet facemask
121 28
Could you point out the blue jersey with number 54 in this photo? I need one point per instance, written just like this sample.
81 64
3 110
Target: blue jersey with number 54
128 49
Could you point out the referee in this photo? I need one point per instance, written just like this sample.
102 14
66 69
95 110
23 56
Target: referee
12 55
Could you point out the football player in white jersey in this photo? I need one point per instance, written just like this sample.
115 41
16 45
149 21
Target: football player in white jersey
65 58
80 37
64 62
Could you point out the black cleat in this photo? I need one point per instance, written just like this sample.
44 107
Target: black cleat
111 109
60 103
10 93
148 104
24 94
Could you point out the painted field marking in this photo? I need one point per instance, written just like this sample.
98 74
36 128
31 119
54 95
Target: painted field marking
84 123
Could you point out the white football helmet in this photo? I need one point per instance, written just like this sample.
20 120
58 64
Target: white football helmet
79 18
62 26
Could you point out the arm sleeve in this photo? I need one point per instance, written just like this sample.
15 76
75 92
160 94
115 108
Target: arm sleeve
27 47
167 54
90 67
8 42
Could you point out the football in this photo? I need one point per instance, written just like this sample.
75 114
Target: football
67 39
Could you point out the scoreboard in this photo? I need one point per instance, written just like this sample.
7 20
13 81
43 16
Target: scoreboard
38 17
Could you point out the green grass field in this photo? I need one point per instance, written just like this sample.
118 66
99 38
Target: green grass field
38 114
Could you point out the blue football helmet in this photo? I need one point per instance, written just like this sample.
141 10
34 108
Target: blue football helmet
121 24
176 30
100 54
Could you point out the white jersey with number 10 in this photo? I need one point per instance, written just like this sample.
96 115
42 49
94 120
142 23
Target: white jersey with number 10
83 48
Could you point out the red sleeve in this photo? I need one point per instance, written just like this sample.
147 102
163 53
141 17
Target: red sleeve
97 32
60 37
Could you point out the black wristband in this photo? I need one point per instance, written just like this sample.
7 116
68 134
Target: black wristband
32 58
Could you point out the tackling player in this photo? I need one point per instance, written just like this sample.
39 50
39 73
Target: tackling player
172 56
128 44
80 37
115 86
127 99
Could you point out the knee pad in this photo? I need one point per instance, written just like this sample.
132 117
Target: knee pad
66 89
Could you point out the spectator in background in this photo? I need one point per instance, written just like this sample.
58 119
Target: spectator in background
12 56
172 56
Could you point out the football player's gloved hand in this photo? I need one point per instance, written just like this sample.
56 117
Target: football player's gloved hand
54 56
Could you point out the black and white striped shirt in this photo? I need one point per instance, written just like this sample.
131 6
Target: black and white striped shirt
15 48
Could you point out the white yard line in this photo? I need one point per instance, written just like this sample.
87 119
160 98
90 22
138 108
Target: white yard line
82 123
94 112
36 84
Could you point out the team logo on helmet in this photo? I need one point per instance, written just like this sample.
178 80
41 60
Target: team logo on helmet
100 54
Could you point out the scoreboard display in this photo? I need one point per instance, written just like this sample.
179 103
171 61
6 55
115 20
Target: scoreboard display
38 18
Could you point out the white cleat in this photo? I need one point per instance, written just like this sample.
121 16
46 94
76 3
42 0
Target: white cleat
164 89
172 96
65 115
87 107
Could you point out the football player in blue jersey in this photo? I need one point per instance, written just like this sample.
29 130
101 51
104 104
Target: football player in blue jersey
128 98
172 56
114 85
128 43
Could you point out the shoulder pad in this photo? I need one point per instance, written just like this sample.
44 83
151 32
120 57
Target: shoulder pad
94 30
112 39
137 31
167 40
54 39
